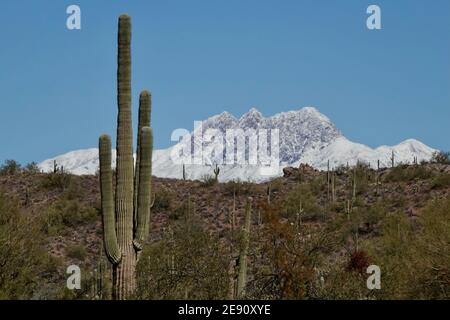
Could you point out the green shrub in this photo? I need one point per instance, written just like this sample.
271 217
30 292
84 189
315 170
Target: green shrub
23 260
442 181
238 187
441 157
57 180
303 204
208 180
405 173
10 167
163 199
32 167
76 252
67 213
187 263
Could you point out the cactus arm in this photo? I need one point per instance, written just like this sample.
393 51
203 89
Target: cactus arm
109 223
144 192
144 121
242 276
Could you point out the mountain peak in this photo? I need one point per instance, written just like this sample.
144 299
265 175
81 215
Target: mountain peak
305 136
252 119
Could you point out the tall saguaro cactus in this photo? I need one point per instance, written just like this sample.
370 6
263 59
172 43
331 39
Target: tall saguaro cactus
126 219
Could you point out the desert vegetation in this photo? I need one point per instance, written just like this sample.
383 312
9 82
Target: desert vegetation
307 235
302 243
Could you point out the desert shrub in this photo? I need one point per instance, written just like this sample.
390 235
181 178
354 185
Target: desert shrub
358 261
412 254
187 263
405 173
301 203
429 253
442 181
207 180
337 283
76 252
73 191
67 213
288 257
32 167
238 187
57 180
23 260
185 210
10 167
96 284
319 185
163 199
275 185
363 175
440 157
365 219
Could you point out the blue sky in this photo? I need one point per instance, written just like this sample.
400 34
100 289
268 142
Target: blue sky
201 57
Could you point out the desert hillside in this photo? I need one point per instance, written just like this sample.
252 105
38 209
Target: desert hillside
312 237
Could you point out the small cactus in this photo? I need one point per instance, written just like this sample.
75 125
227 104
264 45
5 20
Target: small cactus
216 173
393 159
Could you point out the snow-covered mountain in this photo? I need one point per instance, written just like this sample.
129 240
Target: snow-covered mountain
305 136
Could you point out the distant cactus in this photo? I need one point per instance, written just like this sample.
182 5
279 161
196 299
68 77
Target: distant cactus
348 209
242 276
126 220
216 173
393 159
328 180
333 186
299 215
184 172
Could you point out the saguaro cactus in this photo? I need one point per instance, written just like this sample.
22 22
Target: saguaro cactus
126 220
393 159
242 276
216 173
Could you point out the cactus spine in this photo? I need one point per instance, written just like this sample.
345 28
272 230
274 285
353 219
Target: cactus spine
126 220
242 276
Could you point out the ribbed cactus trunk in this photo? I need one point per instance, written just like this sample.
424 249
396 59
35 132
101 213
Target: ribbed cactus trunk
126 220
242 276
124 283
